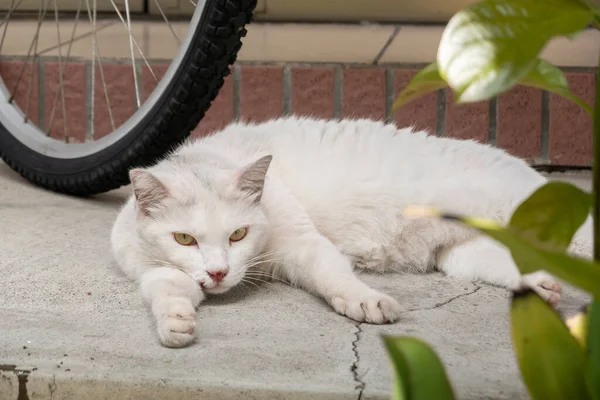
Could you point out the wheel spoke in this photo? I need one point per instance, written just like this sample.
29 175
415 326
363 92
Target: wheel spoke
135 77
132 38
98 57
31 46
63 69
10 10
167 21
60 69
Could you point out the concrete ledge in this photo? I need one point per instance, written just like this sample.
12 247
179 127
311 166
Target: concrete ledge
76 329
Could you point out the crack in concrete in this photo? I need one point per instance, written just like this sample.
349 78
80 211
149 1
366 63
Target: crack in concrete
52 386
450 300
360 384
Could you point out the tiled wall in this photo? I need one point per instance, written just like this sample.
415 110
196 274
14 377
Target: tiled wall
540 127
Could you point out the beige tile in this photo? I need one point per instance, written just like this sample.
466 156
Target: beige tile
414 44
314 42
154 38
112 40
419 44
582 51
20 35
162 41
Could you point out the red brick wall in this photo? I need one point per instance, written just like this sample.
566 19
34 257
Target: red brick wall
541 128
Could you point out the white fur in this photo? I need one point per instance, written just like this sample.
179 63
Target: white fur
332 200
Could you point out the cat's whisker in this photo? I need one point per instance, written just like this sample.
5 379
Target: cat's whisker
259 281
250 282
269 277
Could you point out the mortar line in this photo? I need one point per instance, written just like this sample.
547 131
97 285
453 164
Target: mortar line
545 137
493 122
441 112
41 69
287 89
389 95
237 92
338 92
89 120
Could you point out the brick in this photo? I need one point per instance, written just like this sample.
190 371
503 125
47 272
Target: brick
121 95
74 84
570 140
312 92
467 121
148 81
220 113
10 70
261 93
420 113
364 93
519 127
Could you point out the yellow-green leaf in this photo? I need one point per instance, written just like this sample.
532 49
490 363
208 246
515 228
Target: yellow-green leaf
582 273
489 47
426 80
551 215
552 363
593 342
419 373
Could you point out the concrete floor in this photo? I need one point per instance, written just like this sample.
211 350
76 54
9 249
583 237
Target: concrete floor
71 327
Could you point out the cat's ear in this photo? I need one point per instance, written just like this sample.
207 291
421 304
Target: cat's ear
252 178
148 190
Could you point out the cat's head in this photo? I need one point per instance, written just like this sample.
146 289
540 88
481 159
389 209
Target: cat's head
208 223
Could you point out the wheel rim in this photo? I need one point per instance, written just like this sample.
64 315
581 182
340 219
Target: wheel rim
16 120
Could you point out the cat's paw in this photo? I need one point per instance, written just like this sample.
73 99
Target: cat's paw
177 324
372 307
544 285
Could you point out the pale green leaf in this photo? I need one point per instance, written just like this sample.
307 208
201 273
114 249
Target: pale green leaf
492 45
551 215
547 77
551 360
426 80
419 373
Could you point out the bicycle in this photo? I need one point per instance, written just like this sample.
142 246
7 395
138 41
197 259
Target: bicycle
179 101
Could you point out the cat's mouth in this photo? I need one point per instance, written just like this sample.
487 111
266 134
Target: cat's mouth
214 287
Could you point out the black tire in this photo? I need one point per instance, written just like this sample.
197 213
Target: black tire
196 83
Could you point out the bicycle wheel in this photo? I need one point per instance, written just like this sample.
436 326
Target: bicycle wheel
173 109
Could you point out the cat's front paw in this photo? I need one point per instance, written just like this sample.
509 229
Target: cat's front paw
544 285
176 324
372 307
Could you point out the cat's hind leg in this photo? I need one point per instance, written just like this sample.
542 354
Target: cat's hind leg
482 259
413 247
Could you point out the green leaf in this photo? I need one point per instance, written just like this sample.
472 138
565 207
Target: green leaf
419 373
492 45
593 341
426 80
545 76
582 273
551 215
552 363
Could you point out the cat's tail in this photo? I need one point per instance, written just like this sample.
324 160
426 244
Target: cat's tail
582 244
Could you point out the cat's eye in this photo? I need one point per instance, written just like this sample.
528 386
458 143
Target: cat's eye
238 235
184 239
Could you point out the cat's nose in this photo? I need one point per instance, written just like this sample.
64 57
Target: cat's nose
218 276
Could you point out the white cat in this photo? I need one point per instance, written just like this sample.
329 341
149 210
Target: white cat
305 200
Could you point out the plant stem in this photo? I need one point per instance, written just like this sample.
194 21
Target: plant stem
596 168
